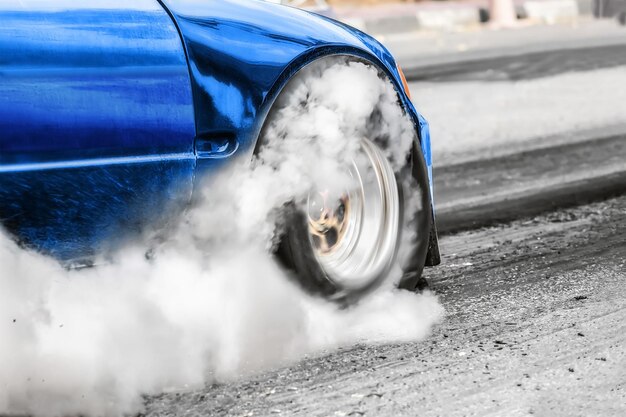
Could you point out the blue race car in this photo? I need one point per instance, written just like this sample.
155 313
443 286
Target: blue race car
111 113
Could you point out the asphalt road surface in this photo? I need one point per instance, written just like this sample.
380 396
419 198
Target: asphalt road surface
523 53
525 183
522 67
536 325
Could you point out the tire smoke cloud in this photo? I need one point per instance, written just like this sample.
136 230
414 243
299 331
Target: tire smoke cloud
210 303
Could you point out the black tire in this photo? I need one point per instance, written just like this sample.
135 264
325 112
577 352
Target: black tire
296 250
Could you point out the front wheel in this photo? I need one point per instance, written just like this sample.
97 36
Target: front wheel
344 241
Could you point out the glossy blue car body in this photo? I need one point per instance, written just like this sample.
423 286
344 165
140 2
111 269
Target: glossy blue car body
110 112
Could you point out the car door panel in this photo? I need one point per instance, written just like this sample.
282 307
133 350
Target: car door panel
96 122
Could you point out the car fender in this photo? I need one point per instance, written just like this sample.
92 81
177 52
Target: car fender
242 53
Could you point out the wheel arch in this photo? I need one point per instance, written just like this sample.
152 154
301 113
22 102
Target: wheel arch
392 72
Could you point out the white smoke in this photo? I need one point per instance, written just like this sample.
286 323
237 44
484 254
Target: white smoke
211 303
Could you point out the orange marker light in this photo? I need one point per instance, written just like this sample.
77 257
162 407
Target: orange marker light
404 83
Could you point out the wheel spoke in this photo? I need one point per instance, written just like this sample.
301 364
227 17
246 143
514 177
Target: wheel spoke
355 236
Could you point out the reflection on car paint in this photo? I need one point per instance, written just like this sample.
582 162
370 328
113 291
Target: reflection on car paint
96 123
108 118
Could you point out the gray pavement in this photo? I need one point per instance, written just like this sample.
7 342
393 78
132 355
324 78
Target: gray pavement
523 67
498 189
496 180
535 326
423 55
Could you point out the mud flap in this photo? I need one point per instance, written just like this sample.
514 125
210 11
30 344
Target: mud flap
433 257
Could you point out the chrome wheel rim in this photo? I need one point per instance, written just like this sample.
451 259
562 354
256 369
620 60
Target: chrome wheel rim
354 231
